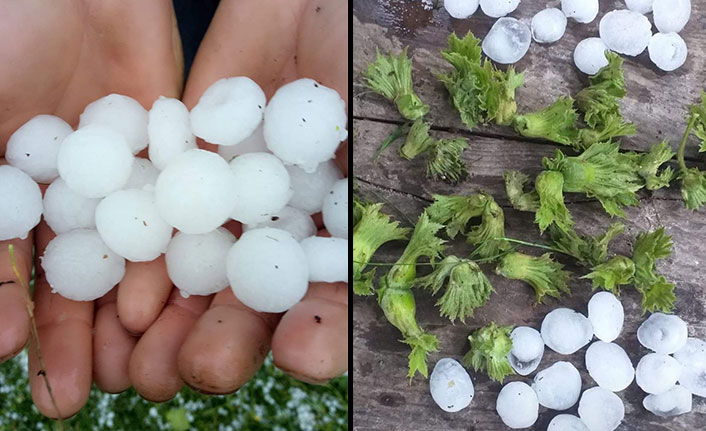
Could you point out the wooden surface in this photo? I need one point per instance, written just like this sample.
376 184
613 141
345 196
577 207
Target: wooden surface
656 102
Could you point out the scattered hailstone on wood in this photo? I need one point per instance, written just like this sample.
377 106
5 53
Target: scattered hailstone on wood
498 8
527 350
548 25
566 422
609 366
657 373
65 210
169 131
143 173
122 114
310 188
293 220
21 203
606 314
589 55
255 143
566 331
335 209
693 359
674 402
450 386
671 15
507 41
79 266
327 257
558 387
517 405
663 333
625 32
601 410
34 146
461 9
583 11
641 6
667 51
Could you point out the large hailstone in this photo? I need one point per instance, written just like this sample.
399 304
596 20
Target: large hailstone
527 350
335 209
589 55
169 131
262 187
123 115
507 41
196 264
625 32
671 15
79 266
293 220
21 203
641 6
558 387
450 386
667 51
583 11
255 143
663 333
310 188
566 422
327 257
95 161
548 25
461 9
566 331
609 366
601 410
228 111
195 192
657 373
606 314
693 359
304 123
34 146
674 402
498 8
65 210
268 270
143 173
517 405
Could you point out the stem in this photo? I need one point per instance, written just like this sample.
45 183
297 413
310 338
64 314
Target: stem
485 259
401 130
682 144
531 244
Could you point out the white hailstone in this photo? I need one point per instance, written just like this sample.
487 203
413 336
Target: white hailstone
129 223
255 143
95 161
65 210
169 131
195 192
310 188
609 366
641 6
293 220
143 173
667 51
304 123
548 25
674 402
21 203
498 8
450 386
121 113
527 350
657 373
671 15
228 111
261 187
267 270
507 41
335 209
558 387
565 331
693 358
34 146
196 264
461 9
625 32
606 314
589 55
583 11
600 409
517 405
566 422
663 333
79 266
327 257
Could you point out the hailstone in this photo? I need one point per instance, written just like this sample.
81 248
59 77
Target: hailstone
625 32
674 402
566 422
310 188
507 41
527 350
65 210
671 15
565 331
461 9
498 8
517 405
450 385
663 333
605 312
558 387
21 203
601 410
667 51
327 257
589 55
169 131
548 25
335 209
293 220
642 6
583 11
122 114
657 373
609 366
255 143
142 173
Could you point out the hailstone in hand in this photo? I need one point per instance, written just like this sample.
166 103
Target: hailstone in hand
294 221
461 9
21 203
674 402
169 131
663 333
65 210
566 423
507 41
310 188
642 6
498 8
609 366
255 143
548 25
589 55
671 15
122 114
335 209
558 387
625 32
450 386
527 350
565 331
667 51
327 257
583 11
605 312
517 405
143 173
657 373
601 410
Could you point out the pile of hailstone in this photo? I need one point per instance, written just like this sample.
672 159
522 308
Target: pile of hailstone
669 381
627 31
273 171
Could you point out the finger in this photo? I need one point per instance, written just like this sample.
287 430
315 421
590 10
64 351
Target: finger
311 341
227 346
14 320
142 294
153 364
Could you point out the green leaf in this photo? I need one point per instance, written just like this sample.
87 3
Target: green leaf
418 140
545 275
485 236
445 161
698 113
178 420
549 186
658 296
612 274
421 345
648 165
693 188
556 123
657 292
500 103
515 189
490 346
454 212
588 250
610 127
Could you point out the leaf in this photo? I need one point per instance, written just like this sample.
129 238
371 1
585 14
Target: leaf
612 274
588 250
421 345
556 123
515 189
659 296
549 186
693 188
545 275
454 212
657 292
177 419
485 236
500 100
417 141
490 346
610 127
648 165
445 161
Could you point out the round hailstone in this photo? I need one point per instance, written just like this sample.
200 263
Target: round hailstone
461 9
310 188
609 366
450 386
335 209
95 161
517 405
255 143
566 331
261 187
268 270
566 423
671 15
304 123
197 263
583 11
21 203
294 221
507 41
65 210
169 131
498 8
558 387
663 333
674 402
228 111
129 223
142 173
601 410
79 266
606 314
657 373
625 32
548 25
34 146
589 55
641 6
693 358
667 51
527 350
195 192
121 113
327 257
